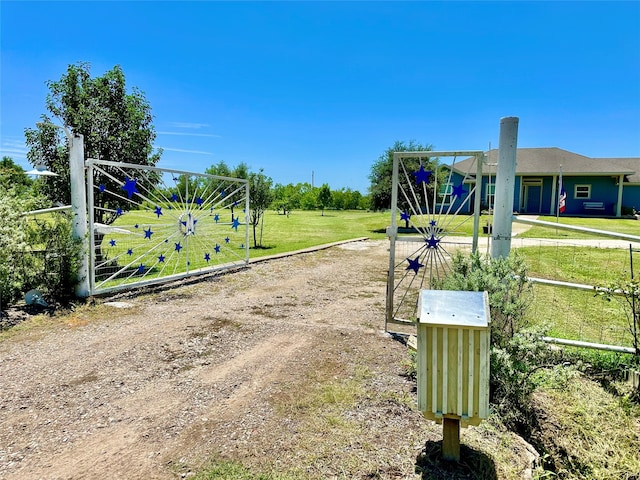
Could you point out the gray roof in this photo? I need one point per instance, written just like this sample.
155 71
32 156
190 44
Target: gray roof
547 161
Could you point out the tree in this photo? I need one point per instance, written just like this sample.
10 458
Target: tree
13 175
260 197
382 172
116 126
324 197
285 198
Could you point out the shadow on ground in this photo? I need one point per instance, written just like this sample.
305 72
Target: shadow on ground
473 464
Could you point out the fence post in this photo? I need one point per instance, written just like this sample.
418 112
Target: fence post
505 185
79 210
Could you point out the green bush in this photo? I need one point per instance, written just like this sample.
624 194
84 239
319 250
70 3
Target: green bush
517 350
35 254
13 247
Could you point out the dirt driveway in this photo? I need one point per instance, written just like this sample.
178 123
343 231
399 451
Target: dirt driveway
283 365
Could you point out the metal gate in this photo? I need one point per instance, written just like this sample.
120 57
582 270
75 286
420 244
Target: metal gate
151 225
434 200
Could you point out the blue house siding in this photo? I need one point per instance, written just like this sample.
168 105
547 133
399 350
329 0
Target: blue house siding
631 197
601 189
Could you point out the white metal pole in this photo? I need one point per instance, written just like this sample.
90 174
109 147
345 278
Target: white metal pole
477 204
392 233
79 210
505 185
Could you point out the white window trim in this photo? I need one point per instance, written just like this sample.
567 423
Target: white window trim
575 192
490 192
445 192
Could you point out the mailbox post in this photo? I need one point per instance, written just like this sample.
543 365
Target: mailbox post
453 361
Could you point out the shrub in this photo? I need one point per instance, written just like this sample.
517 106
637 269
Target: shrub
38 254
13 247
516 350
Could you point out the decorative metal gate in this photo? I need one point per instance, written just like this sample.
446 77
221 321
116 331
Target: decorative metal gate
151 225
434 200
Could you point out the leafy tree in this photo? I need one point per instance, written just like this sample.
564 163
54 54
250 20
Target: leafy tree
382 173
286 198
260 197
347 199
308 196
116 126
324 197
13 175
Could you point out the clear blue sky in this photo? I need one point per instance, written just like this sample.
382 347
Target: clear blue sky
327 87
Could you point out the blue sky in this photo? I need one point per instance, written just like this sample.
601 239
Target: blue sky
324 88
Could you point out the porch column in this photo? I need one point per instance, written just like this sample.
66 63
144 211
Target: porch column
619 203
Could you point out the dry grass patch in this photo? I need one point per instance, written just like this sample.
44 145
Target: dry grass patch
587 432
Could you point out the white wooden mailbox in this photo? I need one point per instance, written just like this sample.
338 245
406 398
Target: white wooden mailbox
453 360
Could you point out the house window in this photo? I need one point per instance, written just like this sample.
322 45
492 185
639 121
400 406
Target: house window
490 194
445 192
582 191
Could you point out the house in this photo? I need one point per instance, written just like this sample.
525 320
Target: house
593 186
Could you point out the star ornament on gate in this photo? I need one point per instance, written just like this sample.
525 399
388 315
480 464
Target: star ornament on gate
235 224
148 233
130 187
414 264
458 191
405 216
432 242
422 175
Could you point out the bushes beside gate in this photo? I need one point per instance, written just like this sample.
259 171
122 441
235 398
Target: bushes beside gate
36 252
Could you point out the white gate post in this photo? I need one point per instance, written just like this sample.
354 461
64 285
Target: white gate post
505 185
79 210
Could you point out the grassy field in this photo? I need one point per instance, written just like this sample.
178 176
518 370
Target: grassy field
302 229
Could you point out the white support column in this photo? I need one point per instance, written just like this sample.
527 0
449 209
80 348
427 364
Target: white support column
79 210
505 184
619 203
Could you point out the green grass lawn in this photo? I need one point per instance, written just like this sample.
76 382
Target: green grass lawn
303 229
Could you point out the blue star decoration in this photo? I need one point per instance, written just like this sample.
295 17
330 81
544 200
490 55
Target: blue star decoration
174 198
432 242
405 216
207 257
199 201
235 224
112 242
119 212
432 223
178 247
458 190
223 193
415 264
422 175
158 211
130 251
148 233
216 218
130 187
136 226
102 187
227 240
217 248
141 268
161 258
